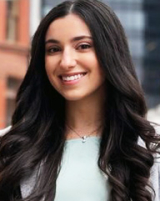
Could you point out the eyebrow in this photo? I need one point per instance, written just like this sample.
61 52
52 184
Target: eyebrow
77 38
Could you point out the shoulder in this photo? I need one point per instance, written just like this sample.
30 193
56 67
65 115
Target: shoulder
4 131
155 170
157 133
155 178
157 129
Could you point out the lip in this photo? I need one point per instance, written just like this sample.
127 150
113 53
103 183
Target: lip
72 82
71 74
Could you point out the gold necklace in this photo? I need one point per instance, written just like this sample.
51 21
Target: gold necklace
84 138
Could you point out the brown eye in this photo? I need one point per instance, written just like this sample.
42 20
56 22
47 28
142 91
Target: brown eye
84 46
53 50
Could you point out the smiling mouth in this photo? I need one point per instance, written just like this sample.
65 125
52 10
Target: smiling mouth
67 78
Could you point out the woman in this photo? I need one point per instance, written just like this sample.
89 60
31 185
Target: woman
79 116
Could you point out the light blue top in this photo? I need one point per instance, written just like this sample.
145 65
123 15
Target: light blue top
80 178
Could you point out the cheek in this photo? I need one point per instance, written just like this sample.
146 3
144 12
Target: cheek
50 69
99 72
53 79
47 67
100 75
48 73
50 64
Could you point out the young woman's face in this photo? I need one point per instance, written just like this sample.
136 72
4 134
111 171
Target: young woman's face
70 60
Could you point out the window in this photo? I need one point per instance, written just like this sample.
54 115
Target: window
12 19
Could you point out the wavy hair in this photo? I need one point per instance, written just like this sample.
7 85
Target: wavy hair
38 123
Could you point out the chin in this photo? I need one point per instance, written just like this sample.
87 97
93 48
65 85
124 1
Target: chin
72 97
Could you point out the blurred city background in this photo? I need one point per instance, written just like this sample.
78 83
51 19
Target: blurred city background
20 18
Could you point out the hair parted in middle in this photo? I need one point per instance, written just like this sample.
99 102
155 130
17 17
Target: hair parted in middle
39 118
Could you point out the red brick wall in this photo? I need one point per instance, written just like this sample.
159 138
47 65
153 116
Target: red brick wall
2 20
13 55
2 102
24 22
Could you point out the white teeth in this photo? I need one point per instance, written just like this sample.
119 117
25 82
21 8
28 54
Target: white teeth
73 77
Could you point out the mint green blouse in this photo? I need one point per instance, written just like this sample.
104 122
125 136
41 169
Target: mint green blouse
80 178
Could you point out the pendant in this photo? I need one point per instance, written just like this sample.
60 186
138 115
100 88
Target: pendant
84 139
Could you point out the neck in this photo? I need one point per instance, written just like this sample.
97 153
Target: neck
85 114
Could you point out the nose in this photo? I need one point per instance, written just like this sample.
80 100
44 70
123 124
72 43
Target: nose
68 59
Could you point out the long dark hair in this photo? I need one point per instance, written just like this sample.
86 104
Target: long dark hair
37 134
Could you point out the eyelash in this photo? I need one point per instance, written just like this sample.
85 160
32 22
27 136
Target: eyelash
84 46
53 48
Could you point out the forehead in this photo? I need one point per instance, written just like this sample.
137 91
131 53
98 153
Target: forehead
67 27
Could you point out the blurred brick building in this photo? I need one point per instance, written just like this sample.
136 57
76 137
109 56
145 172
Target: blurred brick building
14 49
